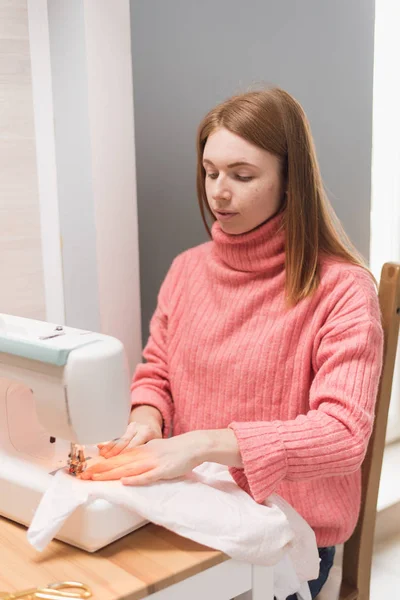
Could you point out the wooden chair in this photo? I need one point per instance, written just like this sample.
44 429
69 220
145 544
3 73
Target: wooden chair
357 552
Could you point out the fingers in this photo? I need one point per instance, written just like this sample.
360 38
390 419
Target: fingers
146 478
133 462
136 434
118 445
115 447
105 465
129 470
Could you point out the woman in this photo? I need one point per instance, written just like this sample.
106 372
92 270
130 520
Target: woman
265 347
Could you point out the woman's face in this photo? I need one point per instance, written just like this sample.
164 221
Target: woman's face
243 182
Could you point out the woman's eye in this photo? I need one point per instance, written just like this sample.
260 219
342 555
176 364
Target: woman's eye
212 175
244 177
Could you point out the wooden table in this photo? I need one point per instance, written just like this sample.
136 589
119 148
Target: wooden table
148 562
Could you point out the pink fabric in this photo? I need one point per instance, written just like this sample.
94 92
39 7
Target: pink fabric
297 385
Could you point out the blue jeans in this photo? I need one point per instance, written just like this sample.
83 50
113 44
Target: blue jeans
326 555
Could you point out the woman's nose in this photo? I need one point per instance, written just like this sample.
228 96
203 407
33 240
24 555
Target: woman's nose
221 190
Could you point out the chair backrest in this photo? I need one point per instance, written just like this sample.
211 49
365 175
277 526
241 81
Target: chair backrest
357 554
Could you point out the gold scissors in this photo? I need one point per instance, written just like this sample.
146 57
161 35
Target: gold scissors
54 591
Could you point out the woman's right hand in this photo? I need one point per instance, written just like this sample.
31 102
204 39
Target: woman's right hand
145 425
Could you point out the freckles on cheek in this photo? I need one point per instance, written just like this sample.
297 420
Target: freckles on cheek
271 187
258 193
253 196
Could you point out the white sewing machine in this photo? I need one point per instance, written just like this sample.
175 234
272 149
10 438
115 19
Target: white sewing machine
58 386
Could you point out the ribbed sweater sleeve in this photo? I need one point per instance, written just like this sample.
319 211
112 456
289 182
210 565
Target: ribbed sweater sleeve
151 382
331 439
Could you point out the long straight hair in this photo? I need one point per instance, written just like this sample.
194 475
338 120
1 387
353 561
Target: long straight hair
274 121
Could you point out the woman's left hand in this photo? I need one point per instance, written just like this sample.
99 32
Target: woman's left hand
158 459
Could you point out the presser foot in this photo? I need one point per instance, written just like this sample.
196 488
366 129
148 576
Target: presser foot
76 460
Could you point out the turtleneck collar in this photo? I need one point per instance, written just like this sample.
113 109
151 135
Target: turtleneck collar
259 250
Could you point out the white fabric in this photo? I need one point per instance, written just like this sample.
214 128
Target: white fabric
207 507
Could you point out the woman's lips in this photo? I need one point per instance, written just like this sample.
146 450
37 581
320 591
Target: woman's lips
224 215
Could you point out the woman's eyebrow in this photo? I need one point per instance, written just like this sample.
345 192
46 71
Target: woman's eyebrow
235 164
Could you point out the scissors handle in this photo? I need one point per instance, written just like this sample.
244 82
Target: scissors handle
85 591
54 591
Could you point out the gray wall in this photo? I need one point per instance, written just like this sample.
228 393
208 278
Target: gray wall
190 54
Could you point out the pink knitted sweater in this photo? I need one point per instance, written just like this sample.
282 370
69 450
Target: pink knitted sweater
297 385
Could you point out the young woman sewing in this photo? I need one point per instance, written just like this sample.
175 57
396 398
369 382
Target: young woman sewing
265 348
